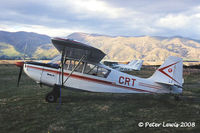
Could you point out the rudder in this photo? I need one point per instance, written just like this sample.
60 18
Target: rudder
171 72
136 64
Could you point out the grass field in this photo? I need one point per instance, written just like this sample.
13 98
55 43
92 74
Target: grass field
24 110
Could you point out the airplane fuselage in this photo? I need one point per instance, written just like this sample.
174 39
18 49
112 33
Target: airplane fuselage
114 82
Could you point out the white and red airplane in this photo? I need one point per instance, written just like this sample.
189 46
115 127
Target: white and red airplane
79 68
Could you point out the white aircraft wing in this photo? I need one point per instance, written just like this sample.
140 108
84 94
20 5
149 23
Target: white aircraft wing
76 50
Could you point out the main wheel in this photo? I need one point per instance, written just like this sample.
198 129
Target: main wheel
51 97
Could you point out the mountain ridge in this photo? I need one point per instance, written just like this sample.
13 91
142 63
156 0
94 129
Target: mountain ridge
151 48
142 47
21 38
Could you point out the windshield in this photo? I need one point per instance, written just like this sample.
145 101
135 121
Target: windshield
55 60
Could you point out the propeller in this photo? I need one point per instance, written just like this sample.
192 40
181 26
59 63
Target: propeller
20 65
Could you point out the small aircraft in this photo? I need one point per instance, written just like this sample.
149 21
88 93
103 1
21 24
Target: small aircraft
133 65
78 67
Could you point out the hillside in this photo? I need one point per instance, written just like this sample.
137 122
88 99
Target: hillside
45 51
7 50
149 48
20 39
145 47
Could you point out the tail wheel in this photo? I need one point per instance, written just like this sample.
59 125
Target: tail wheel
51 97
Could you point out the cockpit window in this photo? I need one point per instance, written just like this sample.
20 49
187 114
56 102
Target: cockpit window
71 64
55 60
96 71
91 69
83 67
80 67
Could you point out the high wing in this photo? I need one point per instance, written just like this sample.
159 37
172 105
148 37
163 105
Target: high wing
76 50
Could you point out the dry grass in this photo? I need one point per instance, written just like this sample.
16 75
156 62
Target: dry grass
24 110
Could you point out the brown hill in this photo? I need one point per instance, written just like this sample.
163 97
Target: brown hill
12 45
145 47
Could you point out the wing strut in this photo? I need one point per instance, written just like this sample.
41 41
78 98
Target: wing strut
62 67
82 58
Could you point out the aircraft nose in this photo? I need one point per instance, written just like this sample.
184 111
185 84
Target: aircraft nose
19 64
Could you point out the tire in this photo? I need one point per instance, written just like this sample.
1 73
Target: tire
51 97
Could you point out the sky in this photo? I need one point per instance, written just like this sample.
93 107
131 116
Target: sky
108 17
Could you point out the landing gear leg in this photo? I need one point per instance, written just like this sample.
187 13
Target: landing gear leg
52 96
177 98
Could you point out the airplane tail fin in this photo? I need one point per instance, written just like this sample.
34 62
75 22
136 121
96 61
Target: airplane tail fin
171 72
132 62
136 64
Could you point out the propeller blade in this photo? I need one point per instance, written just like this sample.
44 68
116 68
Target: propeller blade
20 65
19 77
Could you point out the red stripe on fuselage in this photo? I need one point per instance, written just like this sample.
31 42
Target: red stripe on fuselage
90 79
149 85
